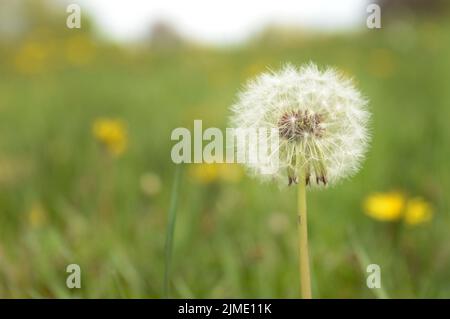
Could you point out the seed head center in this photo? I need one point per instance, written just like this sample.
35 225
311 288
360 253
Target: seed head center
295 125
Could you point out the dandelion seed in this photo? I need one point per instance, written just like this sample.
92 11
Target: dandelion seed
150 184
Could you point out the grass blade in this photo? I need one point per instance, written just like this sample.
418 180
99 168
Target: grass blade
171 228
364 260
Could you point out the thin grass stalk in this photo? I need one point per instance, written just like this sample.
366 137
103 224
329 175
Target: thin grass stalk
171 229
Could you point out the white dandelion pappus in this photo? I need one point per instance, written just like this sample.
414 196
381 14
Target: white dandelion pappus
321 119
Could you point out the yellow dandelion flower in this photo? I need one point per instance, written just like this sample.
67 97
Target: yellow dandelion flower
209 173
204 173
37 216
385 206
417 211
111 134
382 63
230 172
79 50
31 58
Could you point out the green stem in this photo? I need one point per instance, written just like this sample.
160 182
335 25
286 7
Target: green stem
305 277
171 229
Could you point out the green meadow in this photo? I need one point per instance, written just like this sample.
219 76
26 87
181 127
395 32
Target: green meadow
65 199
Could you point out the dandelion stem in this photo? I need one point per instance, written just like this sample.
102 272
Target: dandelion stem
305 278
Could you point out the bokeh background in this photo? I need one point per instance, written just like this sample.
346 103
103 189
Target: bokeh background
86 175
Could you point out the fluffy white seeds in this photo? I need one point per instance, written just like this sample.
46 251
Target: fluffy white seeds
321 119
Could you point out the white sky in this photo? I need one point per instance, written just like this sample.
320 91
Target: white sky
219 21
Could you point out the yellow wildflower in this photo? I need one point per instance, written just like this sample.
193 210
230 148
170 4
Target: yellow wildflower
385 206
204 173
31 58
111 134
37 216
79 50
231 173
417 211
210 173
382 63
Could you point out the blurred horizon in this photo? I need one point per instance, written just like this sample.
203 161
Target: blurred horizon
226 22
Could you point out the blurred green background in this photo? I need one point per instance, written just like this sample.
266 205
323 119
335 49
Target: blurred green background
86 173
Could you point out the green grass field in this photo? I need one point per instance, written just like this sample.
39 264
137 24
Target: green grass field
64 200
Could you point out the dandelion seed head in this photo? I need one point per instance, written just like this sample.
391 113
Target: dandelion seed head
321 119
